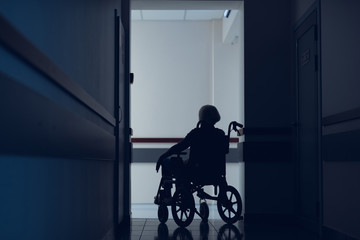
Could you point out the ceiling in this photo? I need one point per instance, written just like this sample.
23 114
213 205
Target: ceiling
175 15
172 10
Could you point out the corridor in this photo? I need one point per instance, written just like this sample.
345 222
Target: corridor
68 128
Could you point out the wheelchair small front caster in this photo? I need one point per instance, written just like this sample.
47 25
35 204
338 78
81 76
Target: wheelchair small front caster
163 213
204 211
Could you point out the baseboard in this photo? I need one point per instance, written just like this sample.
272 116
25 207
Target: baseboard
120 231
110 235
308 225
269 219
331 234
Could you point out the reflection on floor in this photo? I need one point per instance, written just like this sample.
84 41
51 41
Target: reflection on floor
150 228
145 229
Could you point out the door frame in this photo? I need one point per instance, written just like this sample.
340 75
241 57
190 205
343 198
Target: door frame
310 19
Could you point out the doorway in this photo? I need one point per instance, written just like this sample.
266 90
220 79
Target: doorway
180 65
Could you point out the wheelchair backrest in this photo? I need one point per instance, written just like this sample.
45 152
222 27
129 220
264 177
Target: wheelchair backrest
207 155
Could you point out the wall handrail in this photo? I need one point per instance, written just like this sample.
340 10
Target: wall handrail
16 42
344 116
166 140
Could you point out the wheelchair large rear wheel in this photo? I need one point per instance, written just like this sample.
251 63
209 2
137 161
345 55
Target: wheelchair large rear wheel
183 207
229 204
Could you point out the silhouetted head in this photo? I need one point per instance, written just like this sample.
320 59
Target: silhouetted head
209 114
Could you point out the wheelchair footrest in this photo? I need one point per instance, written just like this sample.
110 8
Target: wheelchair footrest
203 195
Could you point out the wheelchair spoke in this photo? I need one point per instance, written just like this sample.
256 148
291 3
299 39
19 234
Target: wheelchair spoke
232 194
232 210
186 215
182 214
228 234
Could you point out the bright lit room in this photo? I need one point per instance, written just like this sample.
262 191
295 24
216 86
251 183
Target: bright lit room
183 56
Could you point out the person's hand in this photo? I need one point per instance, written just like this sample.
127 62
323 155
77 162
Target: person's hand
158 164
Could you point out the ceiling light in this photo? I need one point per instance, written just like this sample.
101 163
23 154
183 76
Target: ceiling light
227 13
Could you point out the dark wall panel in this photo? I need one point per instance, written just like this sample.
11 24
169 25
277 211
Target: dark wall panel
269 182
55 198
341 197
340 34
57 125
267 63
36 126
78 36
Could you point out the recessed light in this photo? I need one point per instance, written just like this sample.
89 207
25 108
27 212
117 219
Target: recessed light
227 13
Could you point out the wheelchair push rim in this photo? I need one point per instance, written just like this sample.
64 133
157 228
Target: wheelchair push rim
229 204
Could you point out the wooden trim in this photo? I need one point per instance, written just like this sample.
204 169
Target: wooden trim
151 155
267 130
341 117
167 140
22 47
332 234
37 126
341 147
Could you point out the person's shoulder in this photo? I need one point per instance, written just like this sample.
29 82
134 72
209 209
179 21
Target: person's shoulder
193 132
219 131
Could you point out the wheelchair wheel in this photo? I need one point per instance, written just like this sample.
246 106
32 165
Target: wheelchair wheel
163 213
183 207
204 211
163 231
229 232
182 234
229 204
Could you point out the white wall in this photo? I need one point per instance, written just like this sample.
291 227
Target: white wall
172 66
180 66
228 79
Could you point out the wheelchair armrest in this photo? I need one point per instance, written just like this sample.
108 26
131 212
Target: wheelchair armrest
181 153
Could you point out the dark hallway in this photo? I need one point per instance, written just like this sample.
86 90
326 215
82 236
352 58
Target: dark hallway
65 132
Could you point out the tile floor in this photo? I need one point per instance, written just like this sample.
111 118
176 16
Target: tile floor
146 229
214 229
145 226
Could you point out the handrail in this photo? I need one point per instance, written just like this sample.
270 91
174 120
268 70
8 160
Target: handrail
167 140
16 42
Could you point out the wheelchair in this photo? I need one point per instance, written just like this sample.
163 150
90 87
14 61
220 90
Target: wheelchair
182 202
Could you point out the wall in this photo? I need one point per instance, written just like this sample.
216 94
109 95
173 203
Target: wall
300 7
269 168
58 144
172 61
340 80
180 66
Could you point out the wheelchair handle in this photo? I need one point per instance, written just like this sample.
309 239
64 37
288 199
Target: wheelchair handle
234 126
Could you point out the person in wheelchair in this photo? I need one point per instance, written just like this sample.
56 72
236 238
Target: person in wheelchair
208 147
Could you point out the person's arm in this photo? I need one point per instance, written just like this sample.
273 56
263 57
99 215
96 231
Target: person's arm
177 148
